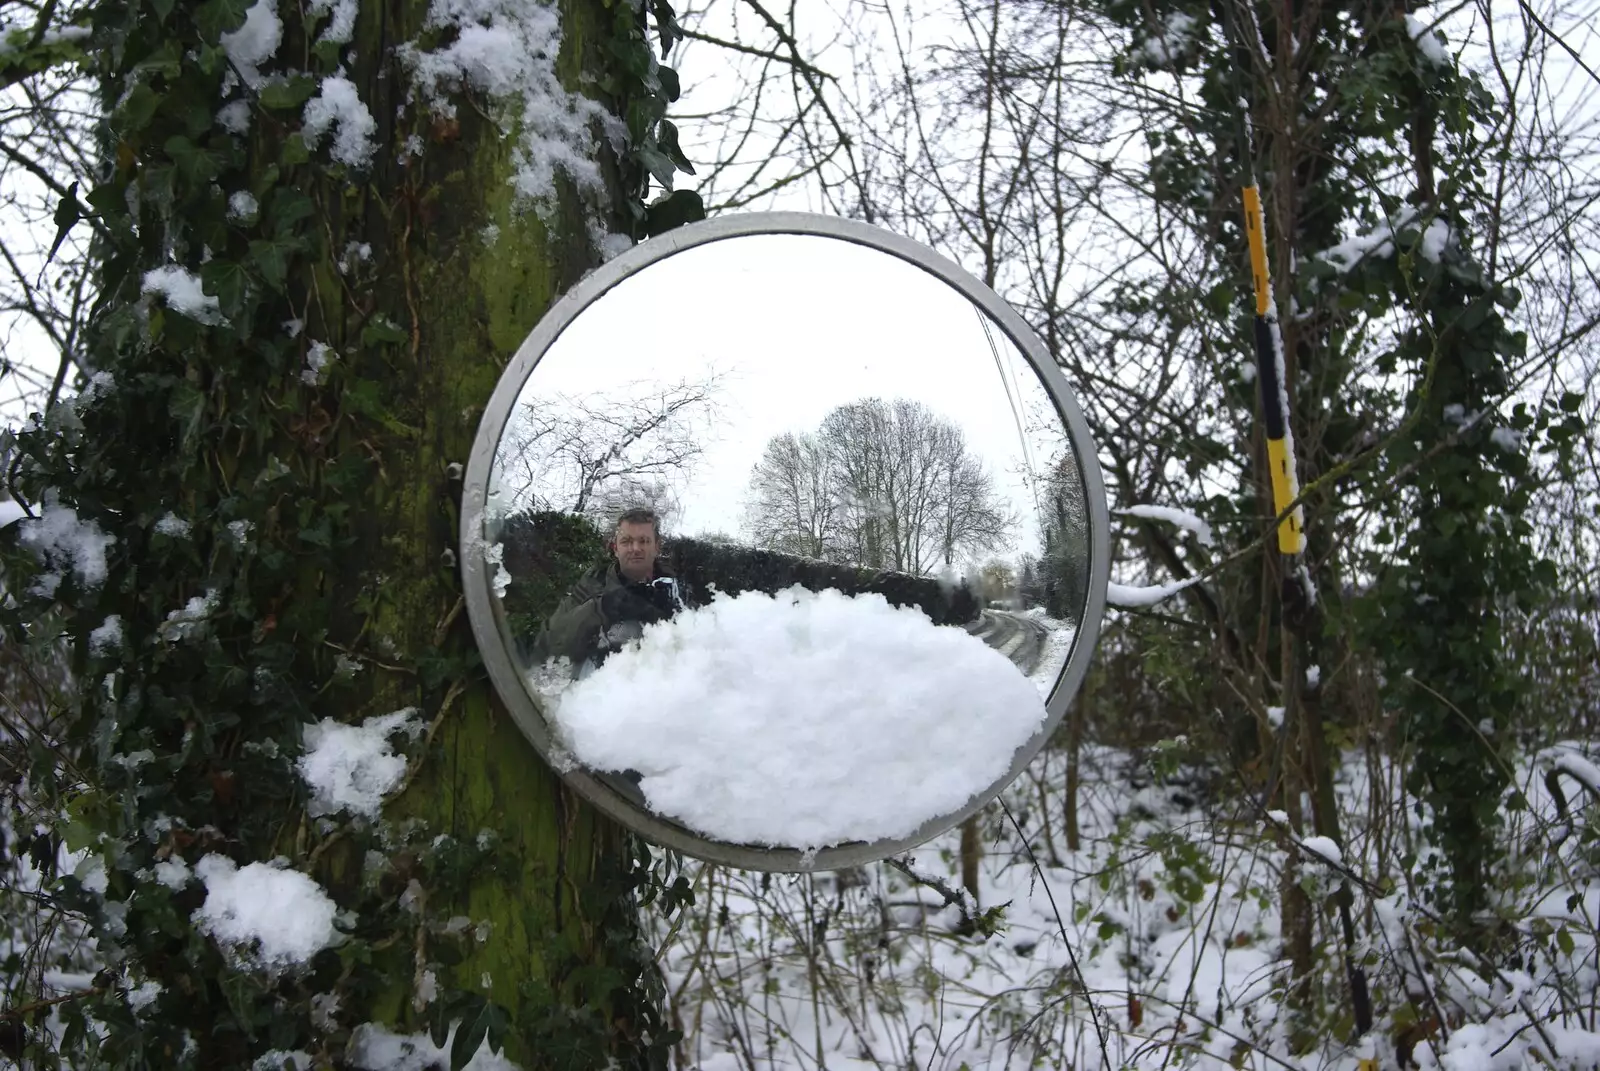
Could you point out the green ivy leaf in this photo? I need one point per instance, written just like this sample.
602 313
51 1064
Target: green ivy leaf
659 164
319 534
288 94
295 152
229 283
327 54
271 258
667 29
667 139
379 330
674 210
670 84
136 109
193 164
217 17
439 1016
289 207
486 1020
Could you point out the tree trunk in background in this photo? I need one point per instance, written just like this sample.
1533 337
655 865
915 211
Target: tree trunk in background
1298 914
466 304
971 856
540 913
1077 715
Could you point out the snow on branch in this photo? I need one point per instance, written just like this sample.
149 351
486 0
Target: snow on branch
1132 597
1586 772
1182 518
1429 41
1380 241
1324 848
373 1047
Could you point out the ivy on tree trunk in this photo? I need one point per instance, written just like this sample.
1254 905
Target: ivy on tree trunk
260 488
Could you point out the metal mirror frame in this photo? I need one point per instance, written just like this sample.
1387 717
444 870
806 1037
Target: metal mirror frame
485 610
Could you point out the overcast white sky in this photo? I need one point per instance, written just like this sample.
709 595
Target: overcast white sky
801 324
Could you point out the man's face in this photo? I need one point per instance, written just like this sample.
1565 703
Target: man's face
636 550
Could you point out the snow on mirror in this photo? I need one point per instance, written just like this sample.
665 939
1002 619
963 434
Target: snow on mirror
787 548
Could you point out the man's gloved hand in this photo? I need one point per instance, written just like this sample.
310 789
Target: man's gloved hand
630 603
660 594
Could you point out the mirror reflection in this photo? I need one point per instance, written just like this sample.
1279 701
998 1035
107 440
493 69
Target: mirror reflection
789 538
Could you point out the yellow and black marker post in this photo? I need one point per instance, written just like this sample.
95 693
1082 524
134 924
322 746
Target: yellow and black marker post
1270 374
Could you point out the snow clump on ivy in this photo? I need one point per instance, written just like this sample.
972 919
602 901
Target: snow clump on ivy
277 1058
183 294
189 621
507 50
343 26
108 637
100 385
143 995
234 117
1508 439
352 767
317 358
1429 41
270 917
61 541
337 104
373 1047
253 43
242 206
1170 43
173 526
174 873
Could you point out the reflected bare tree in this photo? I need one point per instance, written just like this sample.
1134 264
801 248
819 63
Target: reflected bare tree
794 506
884 484
616 497
585 453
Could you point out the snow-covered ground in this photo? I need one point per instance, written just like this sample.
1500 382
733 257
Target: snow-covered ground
1156 944
1053 655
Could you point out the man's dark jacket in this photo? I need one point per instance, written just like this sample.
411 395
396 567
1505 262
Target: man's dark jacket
578 628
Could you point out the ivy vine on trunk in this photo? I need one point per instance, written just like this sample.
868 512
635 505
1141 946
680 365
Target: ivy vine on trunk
312 266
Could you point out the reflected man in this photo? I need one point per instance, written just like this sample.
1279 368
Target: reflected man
612 602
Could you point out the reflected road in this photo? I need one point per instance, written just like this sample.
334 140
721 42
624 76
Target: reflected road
1018 637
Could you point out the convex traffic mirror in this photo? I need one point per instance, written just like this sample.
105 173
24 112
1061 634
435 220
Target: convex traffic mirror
784 541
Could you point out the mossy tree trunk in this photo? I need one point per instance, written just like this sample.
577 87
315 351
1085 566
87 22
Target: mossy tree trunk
540 920
318 508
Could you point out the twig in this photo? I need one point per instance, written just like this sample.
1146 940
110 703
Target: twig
1094 1012
28 1009
938 885
749 50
